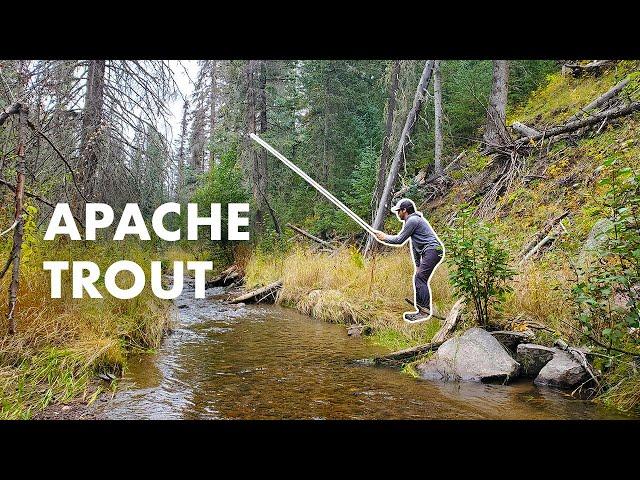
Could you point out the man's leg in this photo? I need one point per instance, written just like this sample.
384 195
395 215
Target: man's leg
429 260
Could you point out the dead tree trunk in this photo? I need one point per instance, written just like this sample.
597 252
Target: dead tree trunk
213 98
91 123
418 100
437 101
182 150
262 175
254 156
495 133
18 232
304 233
523 130
388 130
600 101
598 118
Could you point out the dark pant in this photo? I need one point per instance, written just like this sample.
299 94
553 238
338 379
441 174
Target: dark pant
428 261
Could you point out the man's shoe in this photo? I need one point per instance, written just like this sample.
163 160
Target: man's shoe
412 316
415 317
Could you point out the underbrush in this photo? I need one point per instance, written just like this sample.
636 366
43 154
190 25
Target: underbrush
62 344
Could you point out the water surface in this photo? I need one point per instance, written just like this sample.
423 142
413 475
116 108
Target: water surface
268 362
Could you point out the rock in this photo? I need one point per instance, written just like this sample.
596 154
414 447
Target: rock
595 241
358 330
476 356
510 339
532 358
183 305
562 371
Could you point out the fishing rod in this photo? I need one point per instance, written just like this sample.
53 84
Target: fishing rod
314 184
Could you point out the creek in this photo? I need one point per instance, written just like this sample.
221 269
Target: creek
268 362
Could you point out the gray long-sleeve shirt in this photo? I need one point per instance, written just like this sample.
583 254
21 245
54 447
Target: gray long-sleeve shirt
422 236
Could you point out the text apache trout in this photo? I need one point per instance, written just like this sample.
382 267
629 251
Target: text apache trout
132 223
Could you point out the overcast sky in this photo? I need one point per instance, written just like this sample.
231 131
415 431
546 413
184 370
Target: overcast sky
185 72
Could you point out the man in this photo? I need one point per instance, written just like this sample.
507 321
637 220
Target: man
428 252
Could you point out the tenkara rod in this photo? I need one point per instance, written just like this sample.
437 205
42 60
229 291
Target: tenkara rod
314 184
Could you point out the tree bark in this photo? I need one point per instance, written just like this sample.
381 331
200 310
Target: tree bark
254 156
18 232
392 178
388 131
437 100
181 150
91 123
213 98
495 131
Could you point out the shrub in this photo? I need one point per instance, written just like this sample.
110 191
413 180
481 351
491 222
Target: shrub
606 293
481 264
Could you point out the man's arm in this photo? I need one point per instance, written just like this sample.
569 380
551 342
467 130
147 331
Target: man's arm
403 236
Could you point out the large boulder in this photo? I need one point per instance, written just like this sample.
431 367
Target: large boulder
562 371
475 356
532 358
510 339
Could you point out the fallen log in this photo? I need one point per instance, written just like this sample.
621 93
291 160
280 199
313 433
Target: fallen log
403 356
544 231
593 67
226 277
551 237
450 322
259 294
598 118
601 100
524 130
310 236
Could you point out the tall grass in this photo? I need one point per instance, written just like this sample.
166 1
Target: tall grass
61 344
345 287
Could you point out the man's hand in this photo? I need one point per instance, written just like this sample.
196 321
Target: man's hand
380 235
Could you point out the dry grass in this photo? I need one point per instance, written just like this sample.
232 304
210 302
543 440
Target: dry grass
61 344
344 287
539 294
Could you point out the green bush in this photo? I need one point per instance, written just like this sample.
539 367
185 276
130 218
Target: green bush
606 293
481 264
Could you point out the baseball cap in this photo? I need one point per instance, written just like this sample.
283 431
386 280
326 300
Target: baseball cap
405 203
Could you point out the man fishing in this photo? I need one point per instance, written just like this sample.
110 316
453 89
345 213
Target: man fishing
427 250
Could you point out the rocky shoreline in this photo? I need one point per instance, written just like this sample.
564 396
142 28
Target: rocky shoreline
502 356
